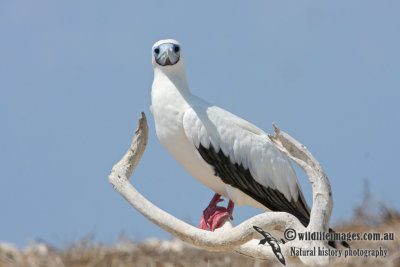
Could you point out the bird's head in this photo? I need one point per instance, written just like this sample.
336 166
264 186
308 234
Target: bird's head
167 54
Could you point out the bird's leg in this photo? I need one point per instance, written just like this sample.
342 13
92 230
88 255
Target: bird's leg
214 216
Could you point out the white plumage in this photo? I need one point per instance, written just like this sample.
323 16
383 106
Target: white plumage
187 125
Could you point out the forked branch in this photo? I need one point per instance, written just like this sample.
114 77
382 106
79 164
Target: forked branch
242 238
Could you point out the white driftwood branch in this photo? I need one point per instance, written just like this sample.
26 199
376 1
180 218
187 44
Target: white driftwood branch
322 194
242 238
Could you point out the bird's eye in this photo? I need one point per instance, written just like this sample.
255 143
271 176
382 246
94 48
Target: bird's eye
176 49
157 51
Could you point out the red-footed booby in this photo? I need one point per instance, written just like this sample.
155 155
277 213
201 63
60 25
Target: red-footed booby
231 156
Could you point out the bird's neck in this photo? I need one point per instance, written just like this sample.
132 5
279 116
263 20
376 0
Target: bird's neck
171 82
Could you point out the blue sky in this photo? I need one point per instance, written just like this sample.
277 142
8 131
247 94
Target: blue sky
75 75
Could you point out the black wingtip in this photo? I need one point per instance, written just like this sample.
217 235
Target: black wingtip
258 229
345 244
334 243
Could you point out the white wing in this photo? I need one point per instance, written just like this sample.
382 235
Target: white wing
255 165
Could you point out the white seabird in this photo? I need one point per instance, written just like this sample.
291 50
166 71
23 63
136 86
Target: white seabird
224 152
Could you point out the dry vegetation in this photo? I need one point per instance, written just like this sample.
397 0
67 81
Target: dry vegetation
175 253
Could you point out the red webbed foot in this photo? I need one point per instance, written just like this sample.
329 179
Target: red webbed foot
214 216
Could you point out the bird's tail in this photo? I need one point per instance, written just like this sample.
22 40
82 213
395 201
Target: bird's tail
334 243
